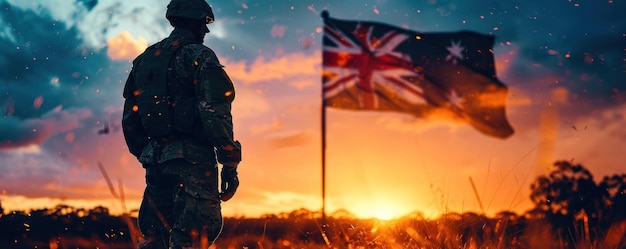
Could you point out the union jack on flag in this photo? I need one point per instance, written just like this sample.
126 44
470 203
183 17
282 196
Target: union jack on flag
378 67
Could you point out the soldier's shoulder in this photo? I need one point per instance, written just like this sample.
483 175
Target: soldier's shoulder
202 53
149 48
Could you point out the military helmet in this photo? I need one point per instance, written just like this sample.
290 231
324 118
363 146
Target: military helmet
190 9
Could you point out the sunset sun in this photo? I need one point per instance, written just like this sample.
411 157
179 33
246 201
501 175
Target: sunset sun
383 212
378 209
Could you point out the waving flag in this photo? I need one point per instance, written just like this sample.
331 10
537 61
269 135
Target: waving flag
378 67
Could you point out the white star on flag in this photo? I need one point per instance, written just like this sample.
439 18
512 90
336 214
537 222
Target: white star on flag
371 66
455 100
456 52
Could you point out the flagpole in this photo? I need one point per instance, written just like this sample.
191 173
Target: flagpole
323 159
324 15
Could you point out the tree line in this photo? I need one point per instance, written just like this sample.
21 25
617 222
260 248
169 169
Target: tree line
571 210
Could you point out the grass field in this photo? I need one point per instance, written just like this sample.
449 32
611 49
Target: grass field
305 229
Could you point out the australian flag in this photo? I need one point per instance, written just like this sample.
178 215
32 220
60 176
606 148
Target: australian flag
378 67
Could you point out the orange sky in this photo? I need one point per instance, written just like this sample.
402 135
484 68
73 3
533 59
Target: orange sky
378 164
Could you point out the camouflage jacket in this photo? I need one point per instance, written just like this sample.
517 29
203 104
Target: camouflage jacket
193 64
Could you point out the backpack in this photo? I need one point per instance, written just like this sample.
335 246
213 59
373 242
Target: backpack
166 106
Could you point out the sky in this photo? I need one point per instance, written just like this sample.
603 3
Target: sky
64 64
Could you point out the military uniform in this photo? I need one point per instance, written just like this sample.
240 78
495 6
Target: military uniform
181 203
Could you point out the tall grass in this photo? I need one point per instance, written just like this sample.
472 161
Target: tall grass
468 230
66 228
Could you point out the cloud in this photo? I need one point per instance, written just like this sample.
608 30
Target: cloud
550 54
57 92
281 141
291 67
99 21
268 83
65 11
47 60
249 102
413 125
89 4
48 66
17 133
42 174
125 47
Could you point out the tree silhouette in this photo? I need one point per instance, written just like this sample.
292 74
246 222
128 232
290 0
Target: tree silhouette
571 201
615 187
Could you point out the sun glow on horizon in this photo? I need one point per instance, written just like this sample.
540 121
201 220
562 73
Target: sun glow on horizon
384 213
375 208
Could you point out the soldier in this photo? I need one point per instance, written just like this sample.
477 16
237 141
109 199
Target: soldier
177 121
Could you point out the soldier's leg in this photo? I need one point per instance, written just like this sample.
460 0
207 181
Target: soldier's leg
155 213
197 211
200 224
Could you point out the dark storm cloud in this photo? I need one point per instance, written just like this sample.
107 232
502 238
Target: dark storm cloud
45 59
46 66
597 68
581 43
576 45
39 46
574 48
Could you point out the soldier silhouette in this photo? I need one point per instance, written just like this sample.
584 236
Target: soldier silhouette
177 121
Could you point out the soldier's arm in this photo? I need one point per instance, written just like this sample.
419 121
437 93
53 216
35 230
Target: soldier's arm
134 134
215 92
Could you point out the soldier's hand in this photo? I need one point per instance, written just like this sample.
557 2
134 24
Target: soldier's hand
230 182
